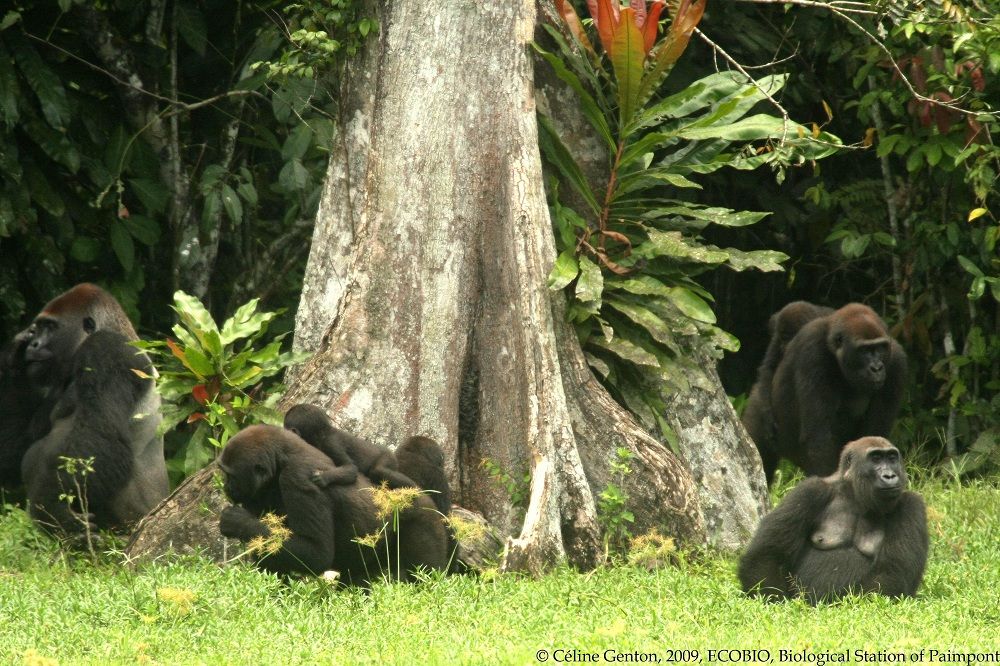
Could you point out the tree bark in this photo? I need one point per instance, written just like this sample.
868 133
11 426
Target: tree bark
720 454
425 296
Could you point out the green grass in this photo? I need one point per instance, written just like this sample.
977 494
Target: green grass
191 612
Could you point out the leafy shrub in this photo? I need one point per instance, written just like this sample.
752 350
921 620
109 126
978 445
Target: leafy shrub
214 379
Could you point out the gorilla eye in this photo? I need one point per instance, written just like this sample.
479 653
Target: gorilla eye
259 470
89 324
838 339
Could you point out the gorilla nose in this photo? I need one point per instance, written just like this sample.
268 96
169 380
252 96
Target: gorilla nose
876 366
889 478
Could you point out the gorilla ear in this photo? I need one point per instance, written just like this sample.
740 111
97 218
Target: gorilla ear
89 325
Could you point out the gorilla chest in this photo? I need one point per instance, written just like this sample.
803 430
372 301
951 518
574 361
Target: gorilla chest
840 527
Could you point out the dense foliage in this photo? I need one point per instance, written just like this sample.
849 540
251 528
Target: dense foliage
155 146
629 255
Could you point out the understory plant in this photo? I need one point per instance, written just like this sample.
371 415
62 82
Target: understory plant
630 244
214 379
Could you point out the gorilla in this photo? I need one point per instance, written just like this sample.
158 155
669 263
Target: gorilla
859 530
270 470
828 377
417 463
95 418
37 396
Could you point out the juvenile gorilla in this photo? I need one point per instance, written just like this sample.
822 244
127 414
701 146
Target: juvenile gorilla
95 418
859 530
417 463
828 377
269 470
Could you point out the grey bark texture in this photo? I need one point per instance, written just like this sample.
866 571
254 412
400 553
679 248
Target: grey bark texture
721 457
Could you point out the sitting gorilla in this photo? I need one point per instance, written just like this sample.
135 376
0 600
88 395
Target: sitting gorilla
859 530
97 417
270 470
417 463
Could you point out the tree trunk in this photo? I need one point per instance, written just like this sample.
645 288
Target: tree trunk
721 456
425 296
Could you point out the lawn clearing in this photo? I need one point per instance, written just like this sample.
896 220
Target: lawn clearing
193 612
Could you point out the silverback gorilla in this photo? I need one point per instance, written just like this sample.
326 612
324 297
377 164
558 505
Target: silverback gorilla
828 377
859 530
270 470
57 401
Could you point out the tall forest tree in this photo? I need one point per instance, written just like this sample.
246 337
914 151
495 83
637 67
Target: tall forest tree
427 309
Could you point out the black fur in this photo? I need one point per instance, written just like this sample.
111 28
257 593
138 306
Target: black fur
828 377
93 418
417 463
859 530
269 469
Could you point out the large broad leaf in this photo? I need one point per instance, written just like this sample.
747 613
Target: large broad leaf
760 126
762 260
673 245
564 271
694 97
644 317
627 57
46 85
670 48
198 320
626 350
590 286
569 15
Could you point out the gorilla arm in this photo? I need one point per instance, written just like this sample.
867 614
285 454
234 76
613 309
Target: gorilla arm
780 538
899 567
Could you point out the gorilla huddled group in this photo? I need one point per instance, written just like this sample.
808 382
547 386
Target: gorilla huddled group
826 396
328 504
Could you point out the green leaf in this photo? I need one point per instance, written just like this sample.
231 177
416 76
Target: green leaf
760 126
191 25
9 19
121 243
564 271
152 193
644 317
970 267
694 97
626 350
234 208
293 176
627 58
55 144
85 250
143 229
297 143
762 260
691 305
46 85
590 286
195 317
672 244
588 105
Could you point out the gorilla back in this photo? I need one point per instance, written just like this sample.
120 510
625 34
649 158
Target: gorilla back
104 415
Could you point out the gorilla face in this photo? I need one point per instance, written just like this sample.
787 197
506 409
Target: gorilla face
248 466
877 477
863 362
50 344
